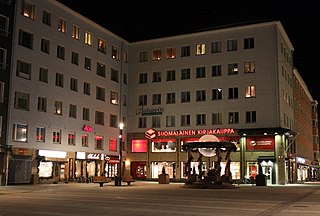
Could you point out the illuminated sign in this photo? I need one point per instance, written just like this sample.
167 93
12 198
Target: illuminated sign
196 132
95 156
150 111
150 134
87 128
260 143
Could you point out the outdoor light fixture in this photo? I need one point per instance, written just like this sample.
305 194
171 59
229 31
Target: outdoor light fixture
119 171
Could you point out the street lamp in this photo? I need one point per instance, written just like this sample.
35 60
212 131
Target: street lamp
119 171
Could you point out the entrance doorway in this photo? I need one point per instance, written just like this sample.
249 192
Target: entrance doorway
267 170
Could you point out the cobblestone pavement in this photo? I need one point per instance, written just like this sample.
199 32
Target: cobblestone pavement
150 198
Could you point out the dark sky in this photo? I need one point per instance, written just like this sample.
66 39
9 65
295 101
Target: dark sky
140 20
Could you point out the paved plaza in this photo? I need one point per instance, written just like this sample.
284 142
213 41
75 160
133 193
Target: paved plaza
150 198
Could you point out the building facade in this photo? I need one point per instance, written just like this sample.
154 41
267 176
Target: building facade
67 95
235 83
67 83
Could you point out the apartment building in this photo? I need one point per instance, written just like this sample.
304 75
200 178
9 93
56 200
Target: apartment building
67 83
67 94
235 83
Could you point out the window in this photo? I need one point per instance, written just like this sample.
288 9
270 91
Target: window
200 72
87 63
201 119
25 39
233 117
75 58
217 94
56 136
171 75
76 32
171 98
156 55
139 145
62 25
72 138
171 53
86 88
85 140
125 57
42 104
43 75
60 52
156 99
142 122
114 75
233 69
85 113
185 97
4 25
20 132
72 111
59 80
170 121
156 122
112 144
115 53
3 58
113 121
250 91
99 118
249 67
156 77
200 95
46 18
98 142
142 100
216 118
216 70
101 69
248 43
200 49
185 73
88 38
45 45
114 98
28 10
233 93
40 134
73 84
125 78
58 107
216 47
232 45
185 51
21 101
143 56
2 84
100 93
185 120
24 69
102 46
251 117
143 78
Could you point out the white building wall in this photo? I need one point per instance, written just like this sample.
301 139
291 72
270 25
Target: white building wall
35 88
265 54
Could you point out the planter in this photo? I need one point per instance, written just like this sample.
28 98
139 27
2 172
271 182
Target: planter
164 179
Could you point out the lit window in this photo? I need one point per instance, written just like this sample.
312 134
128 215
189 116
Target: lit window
201 49
112 144
28 10
250 91
139 146
171 53
88 38
114 98
101 46
85 140
71 138
249 67
156 56
40 134
58 107
62 25
115 53
56 136
76 32
98 142
20 132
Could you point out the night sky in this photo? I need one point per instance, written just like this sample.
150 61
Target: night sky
139 20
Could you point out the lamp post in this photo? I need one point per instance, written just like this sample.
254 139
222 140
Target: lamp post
119 171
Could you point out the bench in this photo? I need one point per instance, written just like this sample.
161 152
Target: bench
128 179
100 180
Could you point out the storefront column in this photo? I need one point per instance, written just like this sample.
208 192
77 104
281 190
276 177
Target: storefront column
280 160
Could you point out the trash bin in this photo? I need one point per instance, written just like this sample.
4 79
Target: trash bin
261 180
116 181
